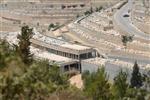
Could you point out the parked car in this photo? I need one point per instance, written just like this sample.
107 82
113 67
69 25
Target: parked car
126 15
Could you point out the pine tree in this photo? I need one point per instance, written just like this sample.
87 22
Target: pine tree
97 86
7 55
23 48
120 85
3 53
136 79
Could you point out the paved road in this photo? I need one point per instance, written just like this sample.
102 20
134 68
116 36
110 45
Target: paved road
125 57
125 24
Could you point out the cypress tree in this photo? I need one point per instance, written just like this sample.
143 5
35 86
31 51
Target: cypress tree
136 79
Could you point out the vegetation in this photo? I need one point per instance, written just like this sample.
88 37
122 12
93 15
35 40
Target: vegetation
19 81
23 47
98 9
96 85
120 85
136 79
53 26
40 81
88 12
126 39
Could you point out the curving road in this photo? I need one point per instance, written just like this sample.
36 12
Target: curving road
125 24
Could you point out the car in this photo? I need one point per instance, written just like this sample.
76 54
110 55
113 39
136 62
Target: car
126 15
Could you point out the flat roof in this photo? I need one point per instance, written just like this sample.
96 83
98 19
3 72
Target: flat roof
11 37
54 41
75 46
50 56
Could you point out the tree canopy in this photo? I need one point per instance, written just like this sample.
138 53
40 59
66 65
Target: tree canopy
96 85
120 85
136 79
24 78
23 47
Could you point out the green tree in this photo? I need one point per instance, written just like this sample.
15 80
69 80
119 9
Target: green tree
98 9
51 26
3 53
60 79
34 83
136 94
23 48
69 94
136 79
96 85
120 85
126 39
8 57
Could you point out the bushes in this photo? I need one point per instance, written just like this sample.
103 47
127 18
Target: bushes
126 39
38 81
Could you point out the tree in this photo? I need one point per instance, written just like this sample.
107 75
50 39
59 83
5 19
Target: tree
91 10
23 48
126 39
136 79
120 85
19 81
51 26
146 79
87 13
69 94
35 83
3 53
98 8
8 56
40 81
96 85
56 77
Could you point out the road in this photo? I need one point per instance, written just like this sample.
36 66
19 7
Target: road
125 24
109 55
